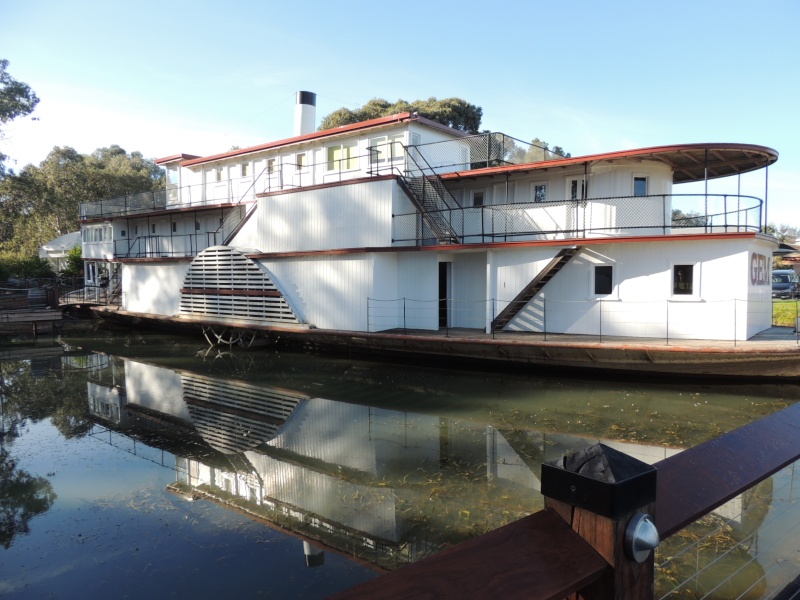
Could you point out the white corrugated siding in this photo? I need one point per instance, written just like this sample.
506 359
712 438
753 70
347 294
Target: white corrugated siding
153 288
329 292
344 216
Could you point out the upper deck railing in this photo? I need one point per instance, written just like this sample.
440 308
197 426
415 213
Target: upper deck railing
661 214
471 152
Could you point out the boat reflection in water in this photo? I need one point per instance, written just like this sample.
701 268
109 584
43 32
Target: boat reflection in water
381 485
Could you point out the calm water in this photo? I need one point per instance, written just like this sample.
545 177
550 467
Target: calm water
143 466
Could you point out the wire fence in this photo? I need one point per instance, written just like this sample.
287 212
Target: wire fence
670 321
747 548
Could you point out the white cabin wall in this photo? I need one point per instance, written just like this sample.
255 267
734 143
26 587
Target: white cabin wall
153 288
469 300
724 304
329 292
344 216
418 284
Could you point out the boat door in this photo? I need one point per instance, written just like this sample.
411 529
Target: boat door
444 293
576 191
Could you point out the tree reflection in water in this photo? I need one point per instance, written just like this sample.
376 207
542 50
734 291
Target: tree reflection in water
29 394
22 497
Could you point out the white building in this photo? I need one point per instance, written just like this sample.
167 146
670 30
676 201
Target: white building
400 222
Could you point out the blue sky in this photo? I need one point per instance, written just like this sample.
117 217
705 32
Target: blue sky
201 77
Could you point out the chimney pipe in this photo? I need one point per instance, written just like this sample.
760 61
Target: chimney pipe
305 113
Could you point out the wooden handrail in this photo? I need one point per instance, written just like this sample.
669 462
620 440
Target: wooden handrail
538 556
694 482
543 556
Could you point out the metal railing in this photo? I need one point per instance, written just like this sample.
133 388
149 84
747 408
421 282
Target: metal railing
481 151
153 246
666 321
662 214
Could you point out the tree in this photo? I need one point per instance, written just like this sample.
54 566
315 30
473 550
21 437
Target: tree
41 203
452 112
16 100
785 233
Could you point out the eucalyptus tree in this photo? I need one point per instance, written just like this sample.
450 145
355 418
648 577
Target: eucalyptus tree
453 112
17 99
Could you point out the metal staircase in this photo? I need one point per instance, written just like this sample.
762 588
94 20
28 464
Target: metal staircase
534 287
429 195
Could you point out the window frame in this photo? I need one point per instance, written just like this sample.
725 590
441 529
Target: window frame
611 280
345 163
694 293
538 184
473 195
646 180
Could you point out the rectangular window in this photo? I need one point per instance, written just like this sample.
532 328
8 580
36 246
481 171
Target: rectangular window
477 198
386 148
683 280
245 169
174 227
197 225
342 157
153 227
300 160
135 230
172 176
218 173
271 166
539 192
603 280
122 233
640 186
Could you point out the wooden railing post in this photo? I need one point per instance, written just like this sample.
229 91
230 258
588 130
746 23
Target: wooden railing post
608 498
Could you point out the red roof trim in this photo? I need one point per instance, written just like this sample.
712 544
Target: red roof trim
175 158
617 155
398 118
638 239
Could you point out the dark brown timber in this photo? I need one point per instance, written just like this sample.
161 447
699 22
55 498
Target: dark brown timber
538 556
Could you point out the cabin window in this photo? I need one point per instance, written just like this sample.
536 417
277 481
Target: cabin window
122 233
386 148
342 157
245 169
603 280
478 197
135 230
683 280
539 192
172 175
300 161
640 186
218 174
197 225
174 227
575 188
153 228
271 166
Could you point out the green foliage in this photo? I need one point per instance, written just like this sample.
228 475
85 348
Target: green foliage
16 100
74 267
452 112
41 203
15 266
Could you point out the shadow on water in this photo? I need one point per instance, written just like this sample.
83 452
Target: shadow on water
383 463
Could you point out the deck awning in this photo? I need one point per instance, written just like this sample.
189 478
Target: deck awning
689 162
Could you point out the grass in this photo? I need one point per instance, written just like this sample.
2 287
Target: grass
784 312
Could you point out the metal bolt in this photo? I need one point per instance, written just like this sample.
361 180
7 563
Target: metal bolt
641 537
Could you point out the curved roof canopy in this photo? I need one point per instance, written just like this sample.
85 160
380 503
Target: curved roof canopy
689 162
